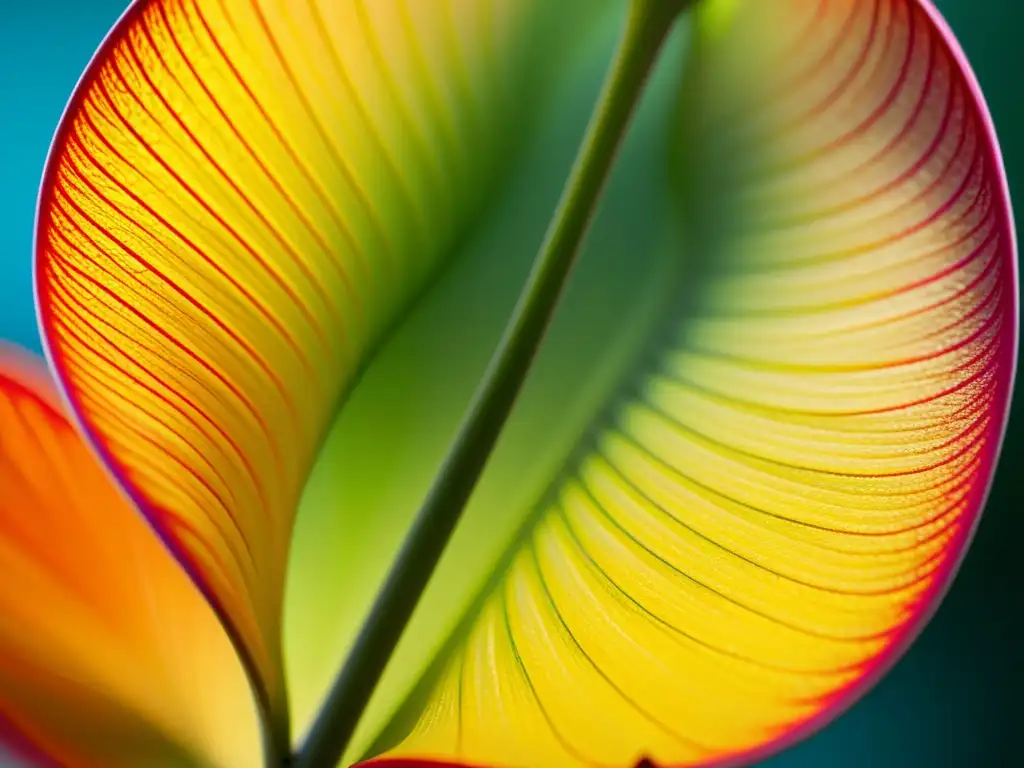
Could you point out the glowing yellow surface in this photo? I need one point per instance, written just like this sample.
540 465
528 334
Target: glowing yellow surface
242 197
781 496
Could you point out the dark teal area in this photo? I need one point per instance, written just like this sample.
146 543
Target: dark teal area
954 699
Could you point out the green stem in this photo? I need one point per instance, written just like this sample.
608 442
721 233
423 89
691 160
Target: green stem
647 27
276 742
274 713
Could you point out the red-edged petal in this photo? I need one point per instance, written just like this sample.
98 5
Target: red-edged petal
242 199
793 471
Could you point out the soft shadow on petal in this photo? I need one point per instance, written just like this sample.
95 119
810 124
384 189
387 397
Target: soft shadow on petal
765 517
242 200
109 657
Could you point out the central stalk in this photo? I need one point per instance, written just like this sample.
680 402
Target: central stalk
647 27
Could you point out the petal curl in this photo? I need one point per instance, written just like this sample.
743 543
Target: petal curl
109 657
774 504
241 201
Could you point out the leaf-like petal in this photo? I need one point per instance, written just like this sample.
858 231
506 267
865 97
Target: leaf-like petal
762 521
243 197
109 657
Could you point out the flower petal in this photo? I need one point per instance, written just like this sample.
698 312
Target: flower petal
242 199
776 500
108 656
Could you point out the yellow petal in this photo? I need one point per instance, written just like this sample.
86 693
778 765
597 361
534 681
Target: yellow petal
109 657
241 200
780 493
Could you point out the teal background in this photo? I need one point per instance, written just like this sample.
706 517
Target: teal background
953 700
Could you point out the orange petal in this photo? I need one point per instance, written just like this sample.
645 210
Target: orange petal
109 656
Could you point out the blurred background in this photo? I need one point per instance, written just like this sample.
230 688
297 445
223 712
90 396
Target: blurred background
953 700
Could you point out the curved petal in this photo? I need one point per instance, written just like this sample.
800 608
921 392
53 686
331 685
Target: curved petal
109 657
242 199
774 504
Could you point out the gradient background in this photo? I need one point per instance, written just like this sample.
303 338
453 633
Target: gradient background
953 699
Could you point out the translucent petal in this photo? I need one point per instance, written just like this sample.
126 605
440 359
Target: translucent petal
242 200
773 504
